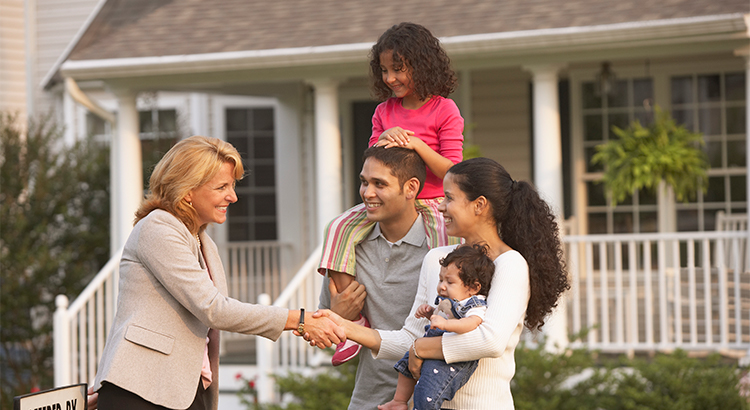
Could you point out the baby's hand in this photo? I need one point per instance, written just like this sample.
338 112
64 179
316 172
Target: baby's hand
438 322
424 310
394 137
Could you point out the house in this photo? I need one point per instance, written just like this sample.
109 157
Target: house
540 85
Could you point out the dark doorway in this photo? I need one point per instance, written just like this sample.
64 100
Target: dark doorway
362 117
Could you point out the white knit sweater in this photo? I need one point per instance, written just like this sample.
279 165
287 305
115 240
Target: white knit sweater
493 343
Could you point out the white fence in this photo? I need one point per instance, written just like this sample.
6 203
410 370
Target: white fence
643 292
80 330
291 353
650 292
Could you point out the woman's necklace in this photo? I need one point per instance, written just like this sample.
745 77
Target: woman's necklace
197 238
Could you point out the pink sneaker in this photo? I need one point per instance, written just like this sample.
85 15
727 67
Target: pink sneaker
347 349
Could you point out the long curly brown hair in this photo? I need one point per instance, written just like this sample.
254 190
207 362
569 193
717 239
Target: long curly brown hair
527 224
415 47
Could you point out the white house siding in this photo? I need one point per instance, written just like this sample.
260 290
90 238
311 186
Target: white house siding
500 118
12 56
57 22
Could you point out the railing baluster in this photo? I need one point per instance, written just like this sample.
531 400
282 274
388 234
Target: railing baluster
707 316
648 294
99 347
633 334
677 291
619 310
662 263
590 299
604 280
737 287
575 266
723 303
692 293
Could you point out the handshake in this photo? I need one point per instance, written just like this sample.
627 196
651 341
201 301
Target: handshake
322 328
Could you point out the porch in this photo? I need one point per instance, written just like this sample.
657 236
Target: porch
629 293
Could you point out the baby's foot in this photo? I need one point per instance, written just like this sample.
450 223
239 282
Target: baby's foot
394 405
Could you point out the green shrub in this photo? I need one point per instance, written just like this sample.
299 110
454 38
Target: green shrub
665 382
574 379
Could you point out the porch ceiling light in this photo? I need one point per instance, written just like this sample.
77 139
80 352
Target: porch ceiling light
606 79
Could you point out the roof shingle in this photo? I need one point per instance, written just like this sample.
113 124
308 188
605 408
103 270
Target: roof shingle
147 28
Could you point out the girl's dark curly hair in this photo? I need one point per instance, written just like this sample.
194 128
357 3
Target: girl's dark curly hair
526 224
415 47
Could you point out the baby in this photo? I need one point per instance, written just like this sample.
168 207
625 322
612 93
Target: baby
465 278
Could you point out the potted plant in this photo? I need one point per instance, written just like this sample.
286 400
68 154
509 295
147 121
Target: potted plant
663 157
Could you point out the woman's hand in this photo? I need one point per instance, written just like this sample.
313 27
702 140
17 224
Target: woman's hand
415 364
323 330
394 137
92 399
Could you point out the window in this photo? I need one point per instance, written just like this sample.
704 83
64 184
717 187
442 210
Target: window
714 104
96 127
252 132
626 103
158 133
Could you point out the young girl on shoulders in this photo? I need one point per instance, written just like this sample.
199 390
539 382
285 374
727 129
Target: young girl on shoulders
411 74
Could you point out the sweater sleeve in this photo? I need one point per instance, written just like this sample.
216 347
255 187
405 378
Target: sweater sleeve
506 308
394 343
450 131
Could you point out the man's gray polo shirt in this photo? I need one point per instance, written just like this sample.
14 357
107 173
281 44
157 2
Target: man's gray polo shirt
391 276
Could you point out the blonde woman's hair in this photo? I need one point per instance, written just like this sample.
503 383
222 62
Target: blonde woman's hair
189 164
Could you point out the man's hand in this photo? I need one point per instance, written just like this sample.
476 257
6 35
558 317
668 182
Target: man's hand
350 302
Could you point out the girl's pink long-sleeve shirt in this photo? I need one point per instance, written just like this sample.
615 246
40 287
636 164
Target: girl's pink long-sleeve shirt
438 123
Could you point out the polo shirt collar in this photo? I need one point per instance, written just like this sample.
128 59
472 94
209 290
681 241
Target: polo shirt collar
415 236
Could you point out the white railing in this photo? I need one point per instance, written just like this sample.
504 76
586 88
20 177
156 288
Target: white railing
252 269
639 292
291 353
80 329
648 292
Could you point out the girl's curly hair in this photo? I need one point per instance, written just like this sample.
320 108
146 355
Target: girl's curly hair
526 223
415 47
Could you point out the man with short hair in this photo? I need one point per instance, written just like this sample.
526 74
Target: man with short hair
388 261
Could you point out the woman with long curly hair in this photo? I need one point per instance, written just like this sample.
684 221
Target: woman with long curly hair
484 205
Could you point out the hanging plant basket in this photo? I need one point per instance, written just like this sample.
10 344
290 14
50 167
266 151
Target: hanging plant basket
640 158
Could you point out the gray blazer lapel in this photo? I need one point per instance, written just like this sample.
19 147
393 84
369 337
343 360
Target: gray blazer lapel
213 262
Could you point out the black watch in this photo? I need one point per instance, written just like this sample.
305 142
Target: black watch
301 325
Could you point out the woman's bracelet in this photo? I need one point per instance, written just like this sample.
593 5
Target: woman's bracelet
414 347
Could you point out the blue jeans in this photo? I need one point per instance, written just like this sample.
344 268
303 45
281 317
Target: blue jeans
439 380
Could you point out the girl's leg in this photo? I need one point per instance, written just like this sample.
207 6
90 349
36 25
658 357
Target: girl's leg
434 223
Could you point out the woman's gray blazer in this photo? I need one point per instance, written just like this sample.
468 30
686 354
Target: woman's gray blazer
167 303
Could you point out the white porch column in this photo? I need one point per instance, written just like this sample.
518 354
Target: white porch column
548 171
126 175
328 162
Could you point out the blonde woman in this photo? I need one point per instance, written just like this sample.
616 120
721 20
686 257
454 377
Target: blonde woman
163 348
